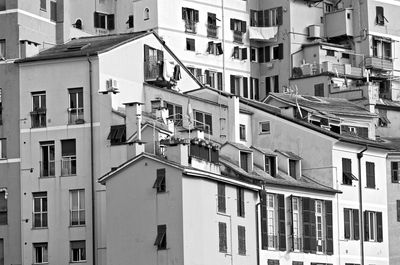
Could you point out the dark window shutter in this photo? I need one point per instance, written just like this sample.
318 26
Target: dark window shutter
346 217
370 168
280 54
380 17
366 226
221 198
146 53
266 18
96 20
243 26
245 87
68 147
260 18
291 223
261 58
252 16
267 54
306 224
240 202
273 166
184 13
232 23
219 48
53 11
267 85
233 90
329 227
256 90
222 237
379 228
313 237
219 77
110 22
398 210
395 170
207 77
160 55
264 221
244 54
356 225
251 88
276 83
196 15
282 223
279 19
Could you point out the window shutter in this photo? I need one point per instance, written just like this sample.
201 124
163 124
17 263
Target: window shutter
240 202
110 22
251 88
53 11
279 16
219 77
221 197
260 18
329 227
264 221
356 225
219 48
280 53
245 87
267 54
346 217
282 223
244 54
394 169
398 210
313 238
96 20
252 16
291 223
232 23
261 58
207 77
379 228
267 85
243 26
196 15
146 53
235 52
184 13
276 83
68 147
266 18
306 225
256 90
209 46
273 166
233 84
366 226
370 168
222 237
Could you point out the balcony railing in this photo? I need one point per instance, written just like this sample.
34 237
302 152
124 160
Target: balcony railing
212 31
47 169
378 63
238 36
38 118
190 26
75 116
68 166
326 67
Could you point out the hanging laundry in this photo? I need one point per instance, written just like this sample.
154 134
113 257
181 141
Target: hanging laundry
168 72
177 72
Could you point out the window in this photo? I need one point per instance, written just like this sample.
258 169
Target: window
3 207
214 48
47 164
190 44
242 240
380 17
3 148
221 198
239 53
38 114
212 29
271 221
146 14
271 82
1 251
253 54
53 11
373 226
270 165
75 110
39 209
78 251
2 49
2 7
43 5
319 90
1 107
40 253
264 127
117 134
348 177
161 240
328 7
130 21
238 27
398 210
273 224
104 21
242 132
68 157
395 171
345 55
296 223
273 52
191 17
197 72
236 84
273 17
351 224
174 112
213 79
382 48
330 53
159 184
292 168
370 169
240 202
319 226
273 262
254 89
244 161
223 246
203 121
77 207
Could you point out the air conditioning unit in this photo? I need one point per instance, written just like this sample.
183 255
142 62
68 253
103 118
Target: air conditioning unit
314 32
112 86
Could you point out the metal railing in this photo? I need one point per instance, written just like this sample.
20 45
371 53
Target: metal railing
38 118
47 168
75 116
68 166
212 31
379 63
190 26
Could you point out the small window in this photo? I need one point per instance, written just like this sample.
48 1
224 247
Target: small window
146 14
330 53
159 184
130 21
161 240
78 251
190 44
3 207
221 198
223 246
40 253
43 5
2 49
242 240
242 132
265 127
370 169
3 148
395 171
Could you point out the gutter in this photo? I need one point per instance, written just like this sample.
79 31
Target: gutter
92 163
257 234
361 215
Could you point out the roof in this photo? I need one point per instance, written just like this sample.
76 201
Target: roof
337 106
263 150
289 155
387 104
392 142
85 46
239 146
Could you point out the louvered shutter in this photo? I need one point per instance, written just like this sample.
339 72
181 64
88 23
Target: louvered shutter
264 221
184 13
356 224
256 90
279 15
313 237
291 223
243 28
306 224
244 54
267 85
281 222
110 22
366 226
329 227
245 87
219 77
251 88
267 54
280 53
233 90
207 77
260 18
379 227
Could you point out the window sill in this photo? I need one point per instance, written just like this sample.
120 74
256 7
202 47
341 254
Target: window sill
264 133
42 9
66 176
39 228
76 226
371 188
349 185
47 177
82 261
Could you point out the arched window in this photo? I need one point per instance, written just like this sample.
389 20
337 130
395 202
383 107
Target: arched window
78 24
146 14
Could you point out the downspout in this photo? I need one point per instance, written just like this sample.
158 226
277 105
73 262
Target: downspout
257 235
92 163
359 156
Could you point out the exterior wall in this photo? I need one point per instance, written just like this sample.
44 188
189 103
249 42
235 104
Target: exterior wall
393 195
144 209
393 127
246 120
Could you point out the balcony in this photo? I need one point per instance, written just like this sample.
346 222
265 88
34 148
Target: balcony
238 37
326 67
190 26
47 169
212 31
75 116
38 118
264 34
68 166
339 24
379 63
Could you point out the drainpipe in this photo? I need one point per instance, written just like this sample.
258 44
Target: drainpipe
359 156
257 235
92 163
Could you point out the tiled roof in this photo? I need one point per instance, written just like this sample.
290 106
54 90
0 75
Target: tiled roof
337 106
392 142
239 146
289 154
84 46
263 150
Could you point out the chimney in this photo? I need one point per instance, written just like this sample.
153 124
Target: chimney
133 119
177 150
135 149
28 48
63 21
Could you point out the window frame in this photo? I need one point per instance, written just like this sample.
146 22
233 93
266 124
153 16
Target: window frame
43 214
207 127
49 148
261 131
4 209
81 251
44 252
79 210
38 110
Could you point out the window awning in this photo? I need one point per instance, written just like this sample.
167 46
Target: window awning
350 175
